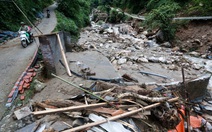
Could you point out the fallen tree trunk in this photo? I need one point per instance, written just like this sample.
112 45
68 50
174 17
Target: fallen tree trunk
116 117
150 99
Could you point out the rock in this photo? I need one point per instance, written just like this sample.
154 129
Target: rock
162 59
107 46
145 60
137 47
125 29
173 67
195 54
101 45
133 58
175 49
109 30
59 126
39 86
114 62
122 61
166 44
149 43
153 59
142 36
79 122
197 67
110 41
197 41
204 56
160 37
144 32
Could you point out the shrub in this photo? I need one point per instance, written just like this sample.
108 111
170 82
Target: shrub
66 24
162 18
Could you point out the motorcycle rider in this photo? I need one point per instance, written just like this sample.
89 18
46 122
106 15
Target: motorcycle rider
48 13
26 28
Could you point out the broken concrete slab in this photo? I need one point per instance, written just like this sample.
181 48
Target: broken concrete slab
97 62
196 88
51 52
23 112
59 126
28 128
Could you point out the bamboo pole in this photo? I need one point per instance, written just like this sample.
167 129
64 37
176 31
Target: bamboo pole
63 55
26 17
80 88
116 117
68 109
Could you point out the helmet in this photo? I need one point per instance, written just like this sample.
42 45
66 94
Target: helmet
22 23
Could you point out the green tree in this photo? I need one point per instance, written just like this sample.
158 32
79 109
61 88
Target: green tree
11 17
77 10
162 18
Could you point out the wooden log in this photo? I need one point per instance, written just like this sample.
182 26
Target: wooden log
69 109
63 55
117 117
44 106
150 99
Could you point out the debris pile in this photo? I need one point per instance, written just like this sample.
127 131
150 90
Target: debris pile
111 107
149 96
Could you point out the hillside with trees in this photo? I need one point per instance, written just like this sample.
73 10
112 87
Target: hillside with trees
73 15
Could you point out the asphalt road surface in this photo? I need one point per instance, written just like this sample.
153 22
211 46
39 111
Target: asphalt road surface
14 58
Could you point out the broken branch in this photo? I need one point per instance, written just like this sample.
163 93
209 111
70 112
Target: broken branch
150 99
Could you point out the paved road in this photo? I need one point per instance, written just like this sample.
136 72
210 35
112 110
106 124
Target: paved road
14 59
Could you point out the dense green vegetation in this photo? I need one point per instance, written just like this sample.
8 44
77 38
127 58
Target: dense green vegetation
74 14
161 17
11 17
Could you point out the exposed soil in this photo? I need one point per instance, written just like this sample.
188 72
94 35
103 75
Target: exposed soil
195 36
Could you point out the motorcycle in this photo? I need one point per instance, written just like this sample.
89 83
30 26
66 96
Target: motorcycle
25 39
48 15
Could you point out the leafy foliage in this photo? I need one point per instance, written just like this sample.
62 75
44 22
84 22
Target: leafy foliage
65 24
11 17
77 10
161 18
200 7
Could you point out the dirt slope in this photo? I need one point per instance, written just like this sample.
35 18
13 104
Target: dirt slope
196 36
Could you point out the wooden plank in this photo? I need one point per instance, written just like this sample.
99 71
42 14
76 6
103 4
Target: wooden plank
48 34
68 109
63 55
